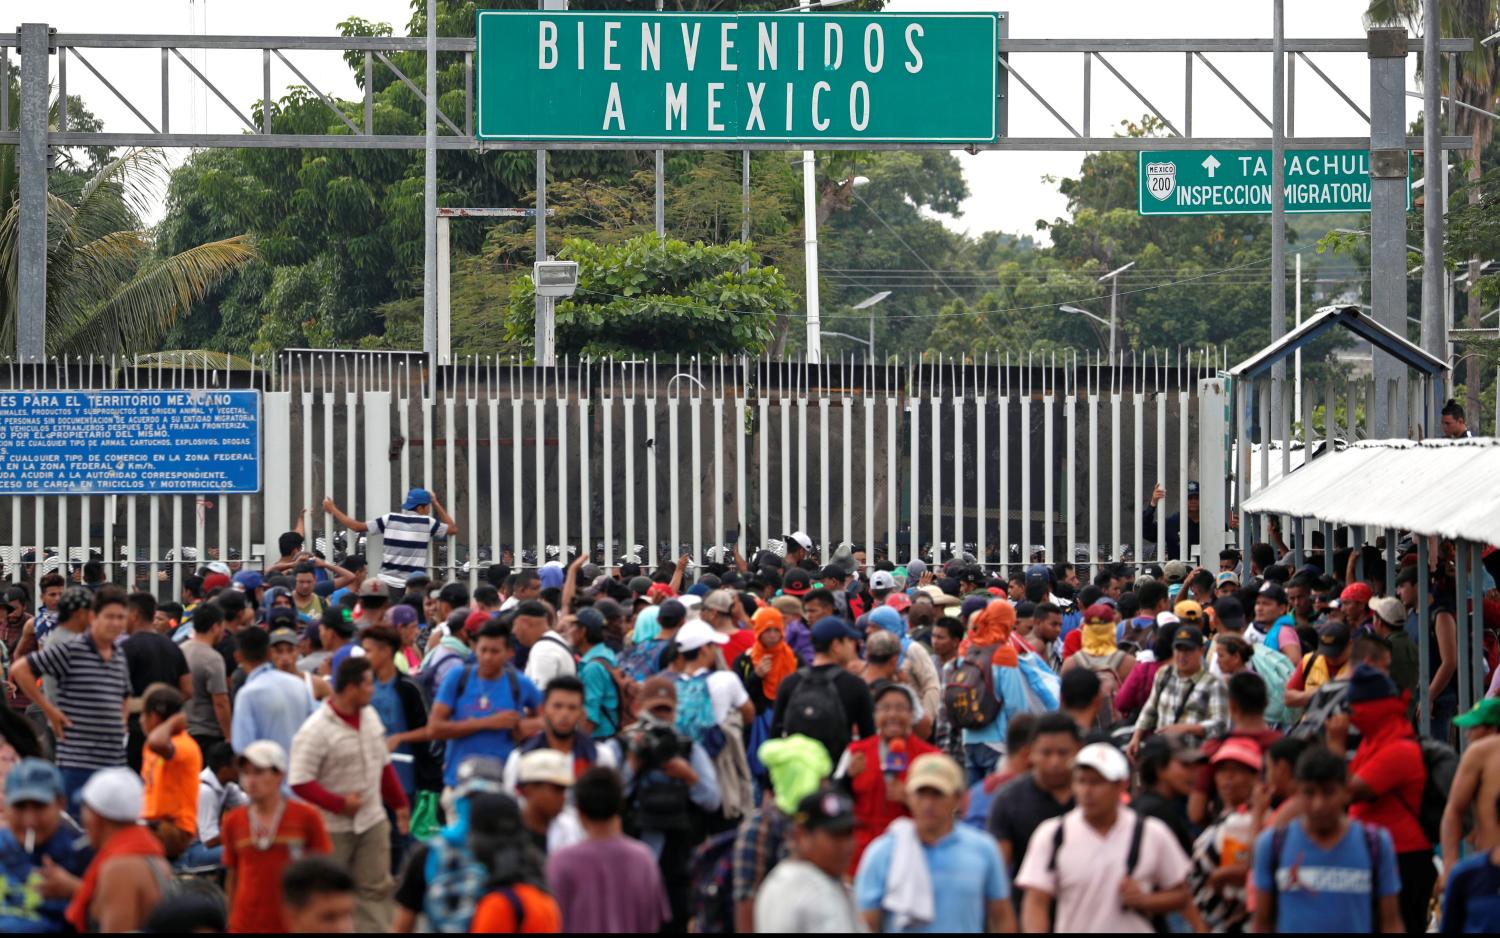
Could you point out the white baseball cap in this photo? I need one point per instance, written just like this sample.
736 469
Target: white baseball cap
545 766
1104 759
115 794
219 567
805 542
265 754
696 633
882 580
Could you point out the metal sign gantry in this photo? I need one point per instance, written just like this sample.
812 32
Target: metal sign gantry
1386 48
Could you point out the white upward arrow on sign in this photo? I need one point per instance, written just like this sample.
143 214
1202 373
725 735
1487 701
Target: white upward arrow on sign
1210 164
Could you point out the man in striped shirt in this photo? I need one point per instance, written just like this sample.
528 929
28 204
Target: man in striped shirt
407 534
93 684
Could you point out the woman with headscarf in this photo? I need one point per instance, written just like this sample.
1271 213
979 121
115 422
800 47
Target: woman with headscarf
762 669
1100 653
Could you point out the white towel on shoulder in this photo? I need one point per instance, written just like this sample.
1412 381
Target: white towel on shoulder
908 881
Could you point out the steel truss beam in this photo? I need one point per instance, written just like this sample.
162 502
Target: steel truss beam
378 47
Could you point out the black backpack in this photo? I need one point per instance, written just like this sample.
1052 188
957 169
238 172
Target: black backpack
815 709
1441 762
969 698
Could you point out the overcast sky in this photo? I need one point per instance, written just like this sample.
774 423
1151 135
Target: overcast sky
1007 191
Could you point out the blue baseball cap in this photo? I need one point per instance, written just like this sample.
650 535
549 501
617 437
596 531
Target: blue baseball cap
416 498
249 580
830 628
33 780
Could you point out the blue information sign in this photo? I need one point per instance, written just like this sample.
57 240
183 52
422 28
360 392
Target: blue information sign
139 442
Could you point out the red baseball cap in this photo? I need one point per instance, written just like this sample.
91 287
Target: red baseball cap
1356 593
476 621
898 601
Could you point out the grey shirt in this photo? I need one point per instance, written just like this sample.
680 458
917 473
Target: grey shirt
799 898
207 667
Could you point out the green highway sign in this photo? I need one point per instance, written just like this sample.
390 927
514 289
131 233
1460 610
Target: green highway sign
738 78
1238 182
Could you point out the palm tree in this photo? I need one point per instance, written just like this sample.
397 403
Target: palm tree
1478 86
107 290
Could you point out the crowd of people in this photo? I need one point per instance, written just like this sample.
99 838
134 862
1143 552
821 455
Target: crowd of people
765 744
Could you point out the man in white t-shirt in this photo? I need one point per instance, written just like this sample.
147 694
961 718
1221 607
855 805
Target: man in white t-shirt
725 690
406 534
805 893
1086 875
550 654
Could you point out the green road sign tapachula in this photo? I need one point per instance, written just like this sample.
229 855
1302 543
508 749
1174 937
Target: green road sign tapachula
732 78
1238 182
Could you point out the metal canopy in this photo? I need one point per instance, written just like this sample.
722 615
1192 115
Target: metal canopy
1351 318
1435 487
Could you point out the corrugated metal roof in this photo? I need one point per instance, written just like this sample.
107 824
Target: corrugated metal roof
1445 487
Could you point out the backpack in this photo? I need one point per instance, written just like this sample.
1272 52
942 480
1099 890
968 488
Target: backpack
1132 860
815 710
640 662
455 883
612 710
713 884
1372 846
695 706
427 676
1275 669
969 697
1441 762
1109 684
512 677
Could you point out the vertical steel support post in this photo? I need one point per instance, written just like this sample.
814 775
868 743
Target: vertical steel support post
429 220
1388 168
31 275
1278 209
1435 172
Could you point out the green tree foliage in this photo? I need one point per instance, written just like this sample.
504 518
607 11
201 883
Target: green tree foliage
1198 280
648 295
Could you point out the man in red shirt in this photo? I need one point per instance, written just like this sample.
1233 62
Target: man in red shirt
1386 778
262 838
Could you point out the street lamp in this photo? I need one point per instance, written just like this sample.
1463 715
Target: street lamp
1114 300
869 302
1099 319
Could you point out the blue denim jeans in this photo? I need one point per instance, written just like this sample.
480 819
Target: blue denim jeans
979 760
74 779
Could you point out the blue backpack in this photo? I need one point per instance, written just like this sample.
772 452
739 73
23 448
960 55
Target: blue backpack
642 661
695 707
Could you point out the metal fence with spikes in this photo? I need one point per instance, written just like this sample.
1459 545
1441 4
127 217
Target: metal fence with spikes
1009 458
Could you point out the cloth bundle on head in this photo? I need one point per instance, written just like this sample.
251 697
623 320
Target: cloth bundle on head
797 765
1099 630
888 618
994 625
647 629
783 659
660 592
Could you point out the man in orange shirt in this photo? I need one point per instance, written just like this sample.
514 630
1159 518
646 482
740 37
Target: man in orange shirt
170 764
263 838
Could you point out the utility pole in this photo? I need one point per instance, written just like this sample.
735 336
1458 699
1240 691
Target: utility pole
31 275
541 327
